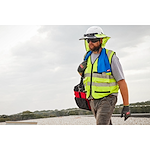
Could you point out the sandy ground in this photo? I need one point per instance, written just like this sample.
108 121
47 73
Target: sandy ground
86 120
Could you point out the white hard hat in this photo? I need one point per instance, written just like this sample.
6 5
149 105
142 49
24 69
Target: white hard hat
93 33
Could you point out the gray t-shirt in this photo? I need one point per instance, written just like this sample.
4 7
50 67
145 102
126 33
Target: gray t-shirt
116 68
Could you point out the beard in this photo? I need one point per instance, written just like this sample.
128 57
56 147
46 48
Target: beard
95 48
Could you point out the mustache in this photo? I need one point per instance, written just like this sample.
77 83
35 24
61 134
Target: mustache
96 49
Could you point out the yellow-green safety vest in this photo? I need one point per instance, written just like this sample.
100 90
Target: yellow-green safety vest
99 85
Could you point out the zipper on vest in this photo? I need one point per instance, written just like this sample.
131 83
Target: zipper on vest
91 81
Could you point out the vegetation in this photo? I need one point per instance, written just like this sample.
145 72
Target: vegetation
44 114
139 107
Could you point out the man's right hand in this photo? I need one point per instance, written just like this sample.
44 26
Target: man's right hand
82 67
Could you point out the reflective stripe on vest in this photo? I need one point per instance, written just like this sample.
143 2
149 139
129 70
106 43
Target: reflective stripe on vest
97 75
102 84
99 84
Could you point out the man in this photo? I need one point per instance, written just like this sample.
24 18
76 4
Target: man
103 77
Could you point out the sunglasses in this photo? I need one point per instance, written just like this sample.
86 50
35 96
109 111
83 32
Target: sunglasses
92 40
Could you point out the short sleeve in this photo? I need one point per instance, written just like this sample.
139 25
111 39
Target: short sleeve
117 70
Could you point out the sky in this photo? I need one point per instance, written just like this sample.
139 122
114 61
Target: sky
39 64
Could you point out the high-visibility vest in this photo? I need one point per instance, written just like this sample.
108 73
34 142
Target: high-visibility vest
96 84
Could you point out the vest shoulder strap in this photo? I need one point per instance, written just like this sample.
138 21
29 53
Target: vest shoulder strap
110 54
86 56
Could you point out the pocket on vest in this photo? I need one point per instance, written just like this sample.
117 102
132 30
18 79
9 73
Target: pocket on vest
102 91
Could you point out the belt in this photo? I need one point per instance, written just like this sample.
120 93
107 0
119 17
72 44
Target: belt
92 99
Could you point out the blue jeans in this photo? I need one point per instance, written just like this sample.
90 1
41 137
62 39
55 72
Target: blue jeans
103 109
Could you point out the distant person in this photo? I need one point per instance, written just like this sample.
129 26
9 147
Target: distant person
103 77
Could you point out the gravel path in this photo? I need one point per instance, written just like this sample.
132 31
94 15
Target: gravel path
86 120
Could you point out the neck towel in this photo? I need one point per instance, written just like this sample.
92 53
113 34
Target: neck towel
103 62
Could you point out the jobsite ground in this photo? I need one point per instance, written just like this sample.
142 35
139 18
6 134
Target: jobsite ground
88 120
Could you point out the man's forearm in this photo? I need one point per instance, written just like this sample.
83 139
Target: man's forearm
124 92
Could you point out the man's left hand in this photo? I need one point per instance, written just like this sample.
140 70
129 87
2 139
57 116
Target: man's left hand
125 112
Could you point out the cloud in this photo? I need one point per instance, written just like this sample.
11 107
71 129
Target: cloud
39 69
126 37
